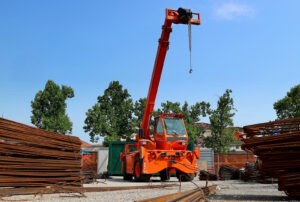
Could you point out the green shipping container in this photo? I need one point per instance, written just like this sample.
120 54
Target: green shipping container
114 166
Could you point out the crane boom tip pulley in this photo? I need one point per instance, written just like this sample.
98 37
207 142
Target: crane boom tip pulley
182 16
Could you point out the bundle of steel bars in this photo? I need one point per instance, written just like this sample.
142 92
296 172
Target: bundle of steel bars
204 175
229 173
199 194
277 144
32 157
252 173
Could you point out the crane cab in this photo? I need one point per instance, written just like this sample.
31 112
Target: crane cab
164 153
170 132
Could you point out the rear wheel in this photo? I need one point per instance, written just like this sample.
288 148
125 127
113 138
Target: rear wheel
138 174
126 176
164 175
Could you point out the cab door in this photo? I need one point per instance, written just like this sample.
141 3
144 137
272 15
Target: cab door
159 133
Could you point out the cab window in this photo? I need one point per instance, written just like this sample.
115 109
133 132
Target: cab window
158 126
174 126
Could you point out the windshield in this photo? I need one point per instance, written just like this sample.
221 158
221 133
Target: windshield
174 126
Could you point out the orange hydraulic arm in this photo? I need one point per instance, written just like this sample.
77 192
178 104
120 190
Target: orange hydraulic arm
181 16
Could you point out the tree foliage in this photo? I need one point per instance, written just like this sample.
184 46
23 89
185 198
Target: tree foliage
115 117
49 108
220 119
139 107
111 116
289 106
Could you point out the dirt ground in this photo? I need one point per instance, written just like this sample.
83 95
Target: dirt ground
232 190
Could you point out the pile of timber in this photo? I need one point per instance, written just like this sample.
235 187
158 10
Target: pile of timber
32 157
229 173
277 145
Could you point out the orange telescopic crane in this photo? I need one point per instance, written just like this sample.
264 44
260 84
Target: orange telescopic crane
164 152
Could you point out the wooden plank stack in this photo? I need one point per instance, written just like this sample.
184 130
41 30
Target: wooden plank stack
277 144
32 157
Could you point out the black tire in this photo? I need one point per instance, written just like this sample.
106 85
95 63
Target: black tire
146 178
141 177
164 175
185 177
126 176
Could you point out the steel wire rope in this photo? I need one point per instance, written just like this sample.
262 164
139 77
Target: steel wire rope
190 45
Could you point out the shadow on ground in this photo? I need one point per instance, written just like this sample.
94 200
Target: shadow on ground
249 198
152 180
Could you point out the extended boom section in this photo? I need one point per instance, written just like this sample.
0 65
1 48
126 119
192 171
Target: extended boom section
182 16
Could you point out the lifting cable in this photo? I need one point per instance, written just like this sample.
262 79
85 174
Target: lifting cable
190 45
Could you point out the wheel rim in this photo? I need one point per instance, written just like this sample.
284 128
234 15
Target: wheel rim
137 169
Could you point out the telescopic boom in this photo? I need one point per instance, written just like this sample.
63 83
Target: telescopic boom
181 16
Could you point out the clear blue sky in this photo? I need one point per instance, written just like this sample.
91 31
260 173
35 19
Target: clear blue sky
251 47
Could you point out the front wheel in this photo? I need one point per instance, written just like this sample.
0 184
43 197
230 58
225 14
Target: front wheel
138 174
164 175
126 176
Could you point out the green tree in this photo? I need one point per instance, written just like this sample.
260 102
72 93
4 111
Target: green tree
220 119
227 138
49 108
170 107
230 138
111 116
289 106
139 107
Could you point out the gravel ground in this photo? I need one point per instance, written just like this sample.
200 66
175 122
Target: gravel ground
228 191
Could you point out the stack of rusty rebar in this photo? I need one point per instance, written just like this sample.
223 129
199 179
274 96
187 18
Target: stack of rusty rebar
229 173
277 144
251 172
32 157
204 175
